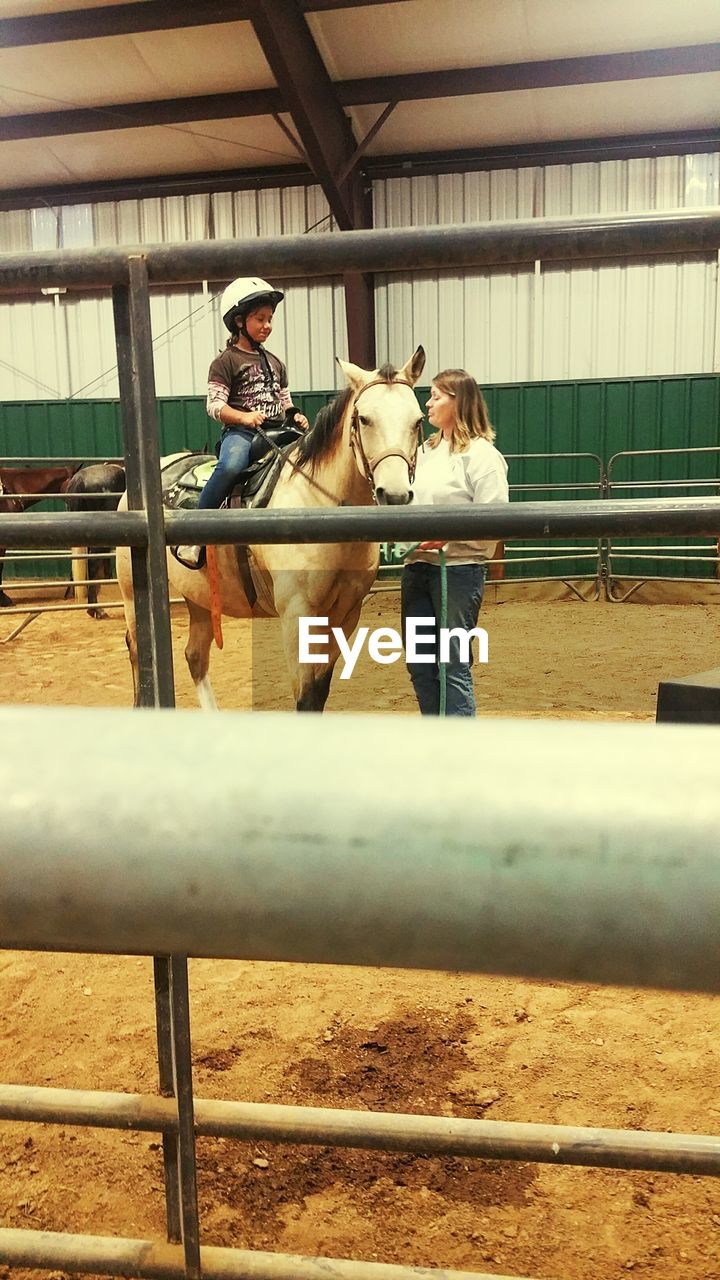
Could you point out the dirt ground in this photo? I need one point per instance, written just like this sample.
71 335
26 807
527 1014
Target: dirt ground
388 1040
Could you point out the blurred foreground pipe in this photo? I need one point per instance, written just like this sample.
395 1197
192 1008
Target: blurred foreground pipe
623 517
380 249
547 850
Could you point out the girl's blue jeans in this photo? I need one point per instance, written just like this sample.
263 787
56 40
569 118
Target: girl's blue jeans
420 598
233 458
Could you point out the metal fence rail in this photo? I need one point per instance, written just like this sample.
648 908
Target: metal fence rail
303 875
625 562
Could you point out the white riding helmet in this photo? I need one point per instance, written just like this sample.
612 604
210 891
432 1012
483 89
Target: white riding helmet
241 293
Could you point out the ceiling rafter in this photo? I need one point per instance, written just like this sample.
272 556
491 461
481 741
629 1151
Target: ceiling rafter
550 73
645 64
321 125
131 19
326 136
138 115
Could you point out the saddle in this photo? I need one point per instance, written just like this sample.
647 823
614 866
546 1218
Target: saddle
184 478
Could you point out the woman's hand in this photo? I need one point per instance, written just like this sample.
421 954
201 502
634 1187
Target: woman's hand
301 421
431 546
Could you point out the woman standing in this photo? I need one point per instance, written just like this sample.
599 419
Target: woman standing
460 464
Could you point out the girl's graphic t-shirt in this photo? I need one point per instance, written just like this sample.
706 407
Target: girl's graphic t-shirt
242 380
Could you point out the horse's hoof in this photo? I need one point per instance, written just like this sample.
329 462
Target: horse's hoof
5 601
99 614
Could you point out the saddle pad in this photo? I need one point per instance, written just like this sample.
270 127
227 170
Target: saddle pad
198 476
183 479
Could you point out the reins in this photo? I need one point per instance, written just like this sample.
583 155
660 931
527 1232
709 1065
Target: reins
289 461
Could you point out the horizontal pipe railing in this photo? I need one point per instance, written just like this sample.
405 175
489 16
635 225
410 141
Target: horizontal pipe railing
299 869
594 518
400 249
371 1131
150 1260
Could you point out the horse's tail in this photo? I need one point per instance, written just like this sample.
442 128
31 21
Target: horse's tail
80 574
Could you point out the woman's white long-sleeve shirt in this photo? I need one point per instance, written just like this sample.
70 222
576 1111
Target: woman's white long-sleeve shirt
445 479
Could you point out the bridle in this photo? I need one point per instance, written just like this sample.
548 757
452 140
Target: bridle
356 442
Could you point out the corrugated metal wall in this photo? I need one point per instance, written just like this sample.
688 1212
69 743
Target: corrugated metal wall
605 320
64 346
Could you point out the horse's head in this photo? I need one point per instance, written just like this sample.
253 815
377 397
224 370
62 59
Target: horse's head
387 426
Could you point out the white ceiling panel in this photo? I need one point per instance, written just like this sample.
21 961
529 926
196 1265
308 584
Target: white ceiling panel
132 68
426 35
89 157
534 115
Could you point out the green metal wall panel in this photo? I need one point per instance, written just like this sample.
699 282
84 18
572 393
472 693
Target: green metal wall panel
591 416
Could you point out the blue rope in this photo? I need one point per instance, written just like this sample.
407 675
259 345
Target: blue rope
442 667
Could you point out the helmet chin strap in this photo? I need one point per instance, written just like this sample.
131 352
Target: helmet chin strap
257 346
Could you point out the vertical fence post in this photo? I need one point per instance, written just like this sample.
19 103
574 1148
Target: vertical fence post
133 338
185 1138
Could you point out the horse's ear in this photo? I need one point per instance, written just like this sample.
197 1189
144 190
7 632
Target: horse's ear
356 376
414 367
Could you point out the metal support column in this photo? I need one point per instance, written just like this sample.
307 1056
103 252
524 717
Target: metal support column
133 338
360 312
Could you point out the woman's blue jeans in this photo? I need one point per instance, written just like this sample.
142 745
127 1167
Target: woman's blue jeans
420 598
233 458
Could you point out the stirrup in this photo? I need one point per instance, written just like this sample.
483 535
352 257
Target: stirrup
190 557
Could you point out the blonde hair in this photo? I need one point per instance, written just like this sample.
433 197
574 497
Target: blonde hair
472 420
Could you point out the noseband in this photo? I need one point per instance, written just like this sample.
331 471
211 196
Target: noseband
356 442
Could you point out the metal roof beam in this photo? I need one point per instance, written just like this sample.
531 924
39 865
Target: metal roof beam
297 93
308 94
129 19
141 115
327 139
520 155
552 73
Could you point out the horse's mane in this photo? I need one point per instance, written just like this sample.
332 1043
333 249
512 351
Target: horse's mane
320 440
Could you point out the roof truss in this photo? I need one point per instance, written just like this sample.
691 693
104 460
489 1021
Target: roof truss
130 19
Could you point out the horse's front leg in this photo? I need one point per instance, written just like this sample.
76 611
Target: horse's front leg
311 680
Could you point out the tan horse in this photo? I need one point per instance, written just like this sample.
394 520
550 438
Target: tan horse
361 448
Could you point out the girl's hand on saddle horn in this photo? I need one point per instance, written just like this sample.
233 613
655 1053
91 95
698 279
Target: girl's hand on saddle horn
430 546
250 418
301 421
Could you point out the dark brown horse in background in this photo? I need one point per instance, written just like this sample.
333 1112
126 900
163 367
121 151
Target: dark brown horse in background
23 487
95 487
